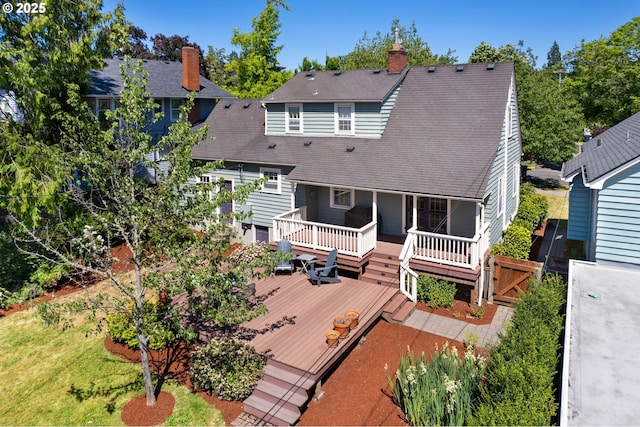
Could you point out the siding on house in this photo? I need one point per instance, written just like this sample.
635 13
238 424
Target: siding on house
507 155
263 205
618 225
580 200
318 119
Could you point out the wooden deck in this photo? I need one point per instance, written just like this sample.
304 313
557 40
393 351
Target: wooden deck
302 345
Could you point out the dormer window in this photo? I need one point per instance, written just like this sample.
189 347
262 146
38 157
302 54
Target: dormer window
293 118
344 119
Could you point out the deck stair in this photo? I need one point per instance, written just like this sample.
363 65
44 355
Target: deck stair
383 267
398 309
281 395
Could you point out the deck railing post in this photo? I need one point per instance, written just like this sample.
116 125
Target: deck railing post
314 236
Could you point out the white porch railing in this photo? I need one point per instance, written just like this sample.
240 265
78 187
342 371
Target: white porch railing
408 277
315 235
451 250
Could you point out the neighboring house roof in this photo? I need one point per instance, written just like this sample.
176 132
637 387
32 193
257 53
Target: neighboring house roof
613 149
337 86
441 137
165 81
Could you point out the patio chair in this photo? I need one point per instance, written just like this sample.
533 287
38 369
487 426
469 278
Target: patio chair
328 273
284 247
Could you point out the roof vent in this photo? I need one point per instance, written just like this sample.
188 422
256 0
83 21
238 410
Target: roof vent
628 136
376 71
337 72
460 68
350 148
315 92
599 142
246 105
307 143
309 74
491 66
431 69
272 145
227 105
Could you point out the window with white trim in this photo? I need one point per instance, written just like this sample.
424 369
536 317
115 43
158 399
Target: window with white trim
175 109
293 118
344 119
500 195
204 179
273 183
342 198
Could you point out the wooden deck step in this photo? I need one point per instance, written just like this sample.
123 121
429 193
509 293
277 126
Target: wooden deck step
293 394
404 312
281 394
298 379
268 411
395 304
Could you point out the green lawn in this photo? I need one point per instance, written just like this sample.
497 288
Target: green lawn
558 205
51 377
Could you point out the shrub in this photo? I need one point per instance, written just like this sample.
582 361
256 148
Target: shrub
518 388
120 327
533 209
516 243
436 292
226 367
440 392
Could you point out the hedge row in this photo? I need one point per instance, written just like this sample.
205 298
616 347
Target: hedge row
518 388
533 209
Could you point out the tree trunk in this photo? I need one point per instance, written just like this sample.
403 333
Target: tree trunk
146 370
138 321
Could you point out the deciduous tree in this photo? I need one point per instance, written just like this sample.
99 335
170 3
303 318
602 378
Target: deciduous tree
170 229
605 75
256 67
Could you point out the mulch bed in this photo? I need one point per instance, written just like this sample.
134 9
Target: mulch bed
137 413
460 310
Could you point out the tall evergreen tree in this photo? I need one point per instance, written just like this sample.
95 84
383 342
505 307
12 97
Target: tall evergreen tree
554 57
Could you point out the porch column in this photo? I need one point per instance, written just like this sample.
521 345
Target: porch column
478 219
293 195
414 214
374 206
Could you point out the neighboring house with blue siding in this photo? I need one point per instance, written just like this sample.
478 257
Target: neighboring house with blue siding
604 197
422 160
169 84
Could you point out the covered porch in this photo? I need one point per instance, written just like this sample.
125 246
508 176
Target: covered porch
440 230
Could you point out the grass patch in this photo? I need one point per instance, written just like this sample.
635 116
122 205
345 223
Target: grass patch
558 205
51 377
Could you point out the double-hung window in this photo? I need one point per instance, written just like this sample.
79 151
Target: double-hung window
294 118
175 109
342 198
272 184
344 119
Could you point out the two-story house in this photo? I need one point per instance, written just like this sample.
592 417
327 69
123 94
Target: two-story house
9 107
169 84
401 170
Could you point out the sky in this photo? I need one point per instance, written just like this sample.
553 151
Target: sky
333 27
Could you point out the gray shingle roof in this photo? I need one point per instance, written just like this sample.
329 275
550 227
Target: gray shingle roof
165 81
441 138
340 86
606 152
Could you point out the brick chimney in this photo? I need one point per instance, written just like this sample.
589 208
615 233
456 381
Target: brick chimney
190 68
397 59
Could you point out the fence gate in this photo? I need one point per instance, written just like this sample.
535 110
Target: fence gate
509 276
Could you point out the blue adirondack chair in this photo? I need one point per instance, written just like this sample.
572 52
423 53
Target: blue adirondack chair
328 273
284 247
